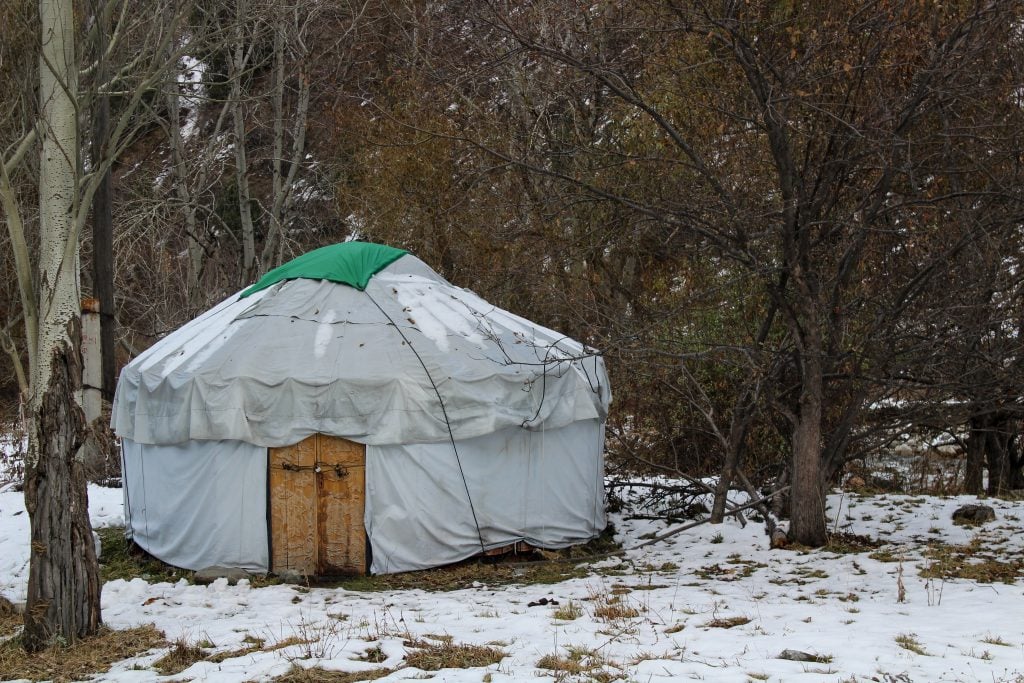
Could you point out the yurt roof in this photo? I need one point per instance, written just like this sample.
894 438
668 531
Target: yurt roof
407 358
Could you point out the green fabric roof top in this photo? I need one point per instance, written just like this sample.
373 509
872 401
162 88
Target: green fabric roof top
351 263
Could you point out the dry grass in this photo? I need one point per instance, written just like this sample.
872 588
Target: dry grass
569 611
909 641
557 566
218 657
727 622
610 607
181 656
580 662
449 655
80 661
614 610
996 640
121 560
972 562
184 655
844 543
318 675
567 665
10 620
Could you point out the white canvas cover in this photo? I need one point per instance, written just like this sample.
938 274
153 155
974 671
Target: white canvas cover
544 487
205 503
307 356
198 504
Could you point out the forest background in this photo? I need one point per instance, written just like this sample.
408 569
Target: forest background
795 230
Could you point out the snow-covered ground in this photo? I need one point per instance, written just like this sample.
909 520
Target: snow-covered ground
711 604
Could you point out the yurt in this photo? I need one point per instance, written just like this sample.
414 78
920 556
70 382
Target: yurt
354 412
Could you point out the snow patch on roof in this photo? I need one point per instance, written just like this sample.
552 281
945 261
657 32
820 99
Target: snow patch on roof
203 336
323 333
431 307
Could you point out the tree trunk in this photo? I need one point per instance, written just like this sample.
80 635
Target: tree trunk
725 478
180 175
807 499
733 455
63 587
1004 462
103 225
248 229
975 461
284 183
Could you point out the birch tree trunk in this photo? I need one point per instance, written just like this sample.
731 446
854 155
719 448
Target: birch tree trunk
64 589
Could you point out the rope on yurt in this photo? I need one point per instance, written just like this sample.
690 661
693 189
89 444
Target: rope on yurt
127 495
444 412
145 493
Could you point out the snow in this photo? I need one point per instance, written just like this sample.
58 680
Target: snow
324 332
434 310
206 334
12 447
843 607
190 84
106 508
439 310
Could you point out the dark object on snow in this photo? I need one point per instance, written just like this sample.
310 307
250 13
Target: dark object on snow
779 539
971 515
798 656
541 602
211 574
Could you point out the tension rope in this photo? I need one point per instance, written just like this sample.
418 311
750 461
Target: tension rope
444 413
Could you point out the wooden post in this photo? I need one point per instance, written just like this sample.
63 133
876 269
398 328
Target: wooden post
92 363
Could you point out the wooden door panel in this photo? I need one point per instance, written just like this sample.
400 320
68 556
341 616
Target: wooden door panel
293 509
340 529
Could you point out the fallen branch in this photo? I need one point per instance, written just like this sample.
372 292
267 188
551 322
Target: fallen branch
691 525
659 537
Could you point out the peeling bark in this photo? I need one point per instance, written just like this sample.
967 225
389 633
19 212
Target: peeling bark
64 586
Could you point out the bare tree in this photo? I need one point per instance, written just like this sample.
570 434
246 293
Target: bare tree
64 590
792 149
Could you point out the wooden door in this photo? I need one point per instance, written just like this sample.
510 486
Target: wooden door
293 507
341 534
317 495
